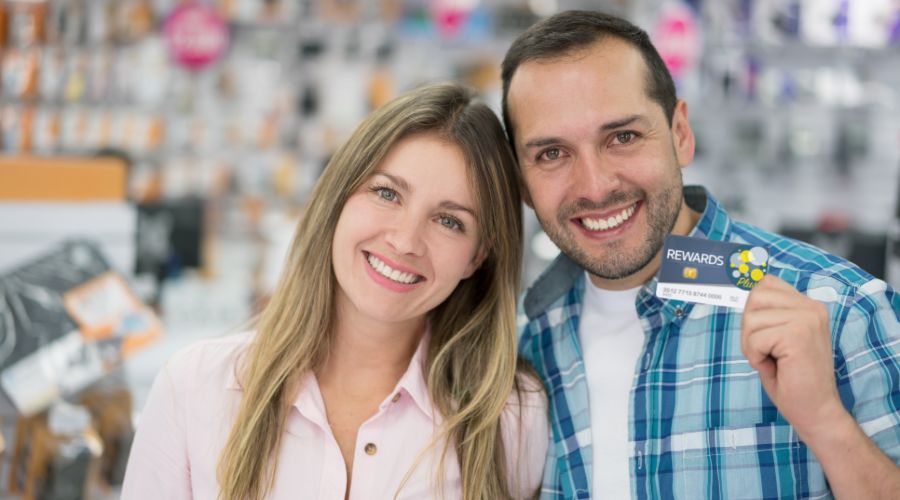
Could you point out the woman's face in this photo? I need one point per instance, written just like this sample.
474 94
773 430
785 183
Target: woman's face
408 235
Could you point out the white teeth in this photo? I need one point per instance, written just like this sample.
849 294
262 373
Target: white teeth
391 273
610 222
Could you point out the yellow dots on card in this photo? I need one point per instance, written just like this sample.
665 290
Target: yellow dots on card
748 266
689 273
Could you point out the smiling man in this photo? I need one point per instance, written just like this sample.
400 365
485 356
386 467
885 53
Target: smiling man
796 396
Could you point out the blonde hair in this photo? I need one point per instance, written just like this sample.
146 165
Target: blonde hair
471 361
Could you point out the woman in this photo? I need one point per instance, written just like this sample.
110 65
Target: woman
385 364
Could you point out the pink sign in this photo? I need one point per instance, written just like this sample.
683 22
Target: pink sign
196 35
449 21
677 38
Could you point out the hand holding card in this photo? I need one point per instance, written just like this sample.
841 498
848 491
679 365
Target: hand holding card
785 334
717 273
785 337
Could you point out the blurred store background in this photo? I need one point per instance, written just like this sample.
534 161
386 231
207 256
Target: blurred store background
156 155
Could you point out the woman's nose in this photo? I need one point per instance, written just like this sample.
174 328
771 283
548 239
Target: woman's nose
406 235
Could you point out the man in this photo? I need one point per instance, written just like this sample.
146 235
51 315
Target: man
796 396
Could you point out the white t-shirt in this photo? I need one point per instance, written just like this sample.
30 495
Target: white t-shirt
611 340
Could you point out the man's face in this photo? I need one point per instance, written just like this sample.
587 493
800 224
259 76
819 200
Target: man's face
601 164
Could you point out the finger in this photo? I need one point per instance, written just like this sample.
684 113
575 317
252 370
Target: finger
761 345
759 319
806 311
758 349
778 294
768 375
766 318
783 297
775 282
765 298
807 327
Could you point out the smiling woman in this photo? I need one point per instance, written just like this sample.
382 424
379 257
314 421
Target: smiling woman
410 229
385 364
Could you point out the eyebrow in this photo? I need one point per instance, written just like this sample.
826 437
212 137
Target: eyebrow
628 120
446 204
543 141
399 181
622 122
450 205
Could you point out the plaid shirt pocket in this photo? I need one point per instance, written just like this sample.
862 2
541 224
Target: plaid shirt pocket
763 461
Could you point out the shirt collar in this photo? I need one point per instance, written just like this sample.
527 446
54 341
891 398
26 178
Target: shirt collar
412 384
714 223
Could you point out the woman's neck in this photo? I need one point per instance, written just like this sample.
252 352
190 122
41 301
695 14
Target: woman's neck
367 357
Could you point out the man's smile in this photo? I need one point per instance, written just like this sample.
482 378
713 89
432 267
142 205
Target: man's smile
607 222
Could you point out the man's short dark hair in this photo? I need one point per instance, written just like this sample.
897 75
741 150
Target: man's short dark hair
569 31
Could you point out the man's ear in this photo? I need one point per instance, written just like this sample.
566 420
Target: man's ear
682 135
526 196
476 262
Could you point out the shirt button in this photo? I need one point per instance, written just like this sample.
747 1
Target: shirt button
395 398
371 449
679 312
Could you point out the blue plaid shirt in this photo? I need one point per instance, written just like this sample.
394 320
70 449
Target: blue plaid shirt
700 423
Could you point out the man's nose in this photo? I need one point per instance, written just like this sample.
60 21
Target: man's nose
592 177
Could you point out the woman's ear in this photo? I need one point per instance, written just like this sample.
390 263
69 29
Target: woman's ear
476 262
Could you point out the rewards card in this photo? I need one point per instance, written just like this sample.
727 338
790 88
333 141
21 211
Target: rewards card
717 273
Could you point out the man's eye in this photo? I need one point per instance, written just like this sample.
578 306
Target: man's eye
551 154
624 137
386 194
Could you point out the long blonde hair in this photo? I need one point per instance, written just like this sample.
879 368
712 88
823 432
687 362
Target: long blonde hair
471 362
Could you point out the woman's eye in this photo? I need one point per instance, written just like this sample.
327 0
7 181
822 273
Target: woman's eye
624 137
386 194
450 222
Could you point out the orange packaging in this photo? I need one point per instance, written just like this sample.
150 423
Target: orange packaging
105 307
3 22
36 178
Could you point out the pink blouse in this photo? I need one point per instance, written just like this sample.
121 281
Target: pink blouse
194 399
